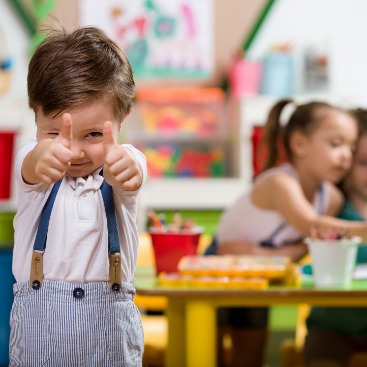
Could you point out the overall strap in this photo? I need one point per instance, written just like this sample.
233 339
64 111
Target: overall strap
114 248
115 272
41 236
269 241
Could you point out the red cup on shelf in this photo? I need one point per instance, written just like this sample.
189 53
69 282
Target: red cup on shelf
169 248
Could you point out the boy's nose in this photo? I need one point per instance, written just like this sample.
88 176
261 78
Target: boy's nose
77 151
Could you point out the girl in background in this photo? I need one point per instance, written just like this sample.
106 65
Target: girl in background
335 333
284 202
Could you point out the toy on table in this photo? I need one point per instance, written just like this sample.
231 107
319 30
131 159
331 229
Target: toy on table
232 271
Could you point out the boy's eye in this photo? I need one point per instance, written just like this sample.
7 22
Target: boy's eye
335 143
94 134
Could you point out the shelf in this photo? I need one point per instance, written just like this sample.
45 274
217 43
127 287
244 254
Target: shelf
175 193
179 138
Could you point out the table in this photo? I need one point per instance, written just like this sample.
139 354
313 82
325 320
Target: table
191 311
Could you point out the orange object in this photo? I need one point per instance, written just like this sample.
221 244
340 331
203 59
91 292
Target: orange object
187 95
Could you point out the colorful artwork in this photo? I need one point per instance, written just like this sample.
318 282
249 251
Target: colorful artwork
161 38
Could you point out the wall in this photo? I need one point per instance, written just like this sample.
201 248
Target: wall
231 24
340 26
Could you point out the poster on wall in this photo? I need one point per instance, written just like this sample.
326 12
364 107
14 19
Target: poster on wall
162 39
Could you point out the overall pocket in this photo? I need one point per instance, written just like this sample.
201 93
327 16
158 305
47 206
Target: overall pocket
29 336
125 334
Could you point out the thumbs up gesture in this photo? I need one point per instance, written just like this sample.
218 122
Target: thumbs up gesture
120 169
50 159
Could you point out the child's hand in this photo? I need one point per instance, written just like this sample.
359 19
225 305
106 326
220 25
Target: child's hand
121 168
52 157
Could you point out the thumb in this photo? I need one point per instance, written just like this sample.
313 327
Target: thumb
108 139
66 134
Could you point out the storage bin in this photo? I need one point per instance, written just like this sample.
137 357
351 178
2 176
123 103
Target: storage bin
197 112
184 161
6 162
278 74
259 151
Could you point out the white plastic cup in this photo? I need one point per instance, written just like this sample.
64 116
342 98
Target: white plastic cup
333 261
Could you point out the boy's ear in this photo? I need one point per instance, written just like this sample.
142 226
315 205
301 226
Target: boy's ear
122 121
299 144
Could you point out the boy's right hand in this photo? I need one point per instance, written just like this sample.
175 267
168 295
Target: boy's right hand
51 157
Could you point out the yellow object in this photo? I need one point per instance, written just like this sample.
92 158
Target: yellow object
155 326
277 270
212 282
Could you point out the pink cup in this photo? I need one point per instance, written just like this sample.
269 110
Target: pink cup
244 78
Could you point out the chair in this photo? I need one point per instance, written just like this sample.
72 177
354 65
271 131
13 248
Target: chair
291 353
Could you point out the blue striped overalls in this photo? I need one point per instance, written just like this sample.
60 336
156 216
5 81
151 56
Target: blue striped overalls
60 324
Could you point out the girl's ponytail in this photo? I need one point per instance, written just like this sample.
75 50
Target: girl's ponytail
273 134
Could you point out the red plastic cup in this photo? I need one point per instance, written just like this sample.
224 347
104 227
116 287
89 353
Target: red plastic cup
169 248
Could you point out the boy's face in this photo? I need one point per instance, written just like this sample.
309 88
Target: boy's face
87 135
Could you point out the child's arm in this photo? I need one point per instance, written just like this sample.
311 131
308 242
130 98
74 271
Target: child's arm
294 251
284 194
50 158
121 169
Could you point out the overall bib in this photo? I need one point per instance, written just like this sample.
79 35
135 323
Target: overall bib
61 324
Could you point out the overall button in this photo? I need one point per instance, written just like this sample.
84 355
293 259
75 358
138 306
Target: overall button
36 284
78 293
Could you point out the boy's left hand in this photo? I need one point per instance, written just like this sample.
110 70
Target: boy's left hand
121 168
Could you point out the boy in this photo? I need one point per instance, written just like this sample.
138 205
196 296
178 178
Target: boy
75 230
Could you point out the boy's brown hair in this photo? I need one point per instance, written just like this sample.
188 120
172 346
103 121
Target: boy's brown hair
72 69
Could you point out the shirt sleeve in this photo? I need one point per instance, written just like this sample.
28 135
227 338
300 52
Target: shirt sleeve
28 189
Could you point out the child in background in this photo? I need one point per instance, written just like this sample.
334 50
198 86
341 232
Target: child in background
285 202
335 333
76 237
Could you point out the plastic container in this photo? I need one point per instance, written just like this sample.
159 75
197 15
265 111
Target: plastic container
259 151
177 160
244 78
7 281
277 76
333 261
169 248
188 112
6 162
